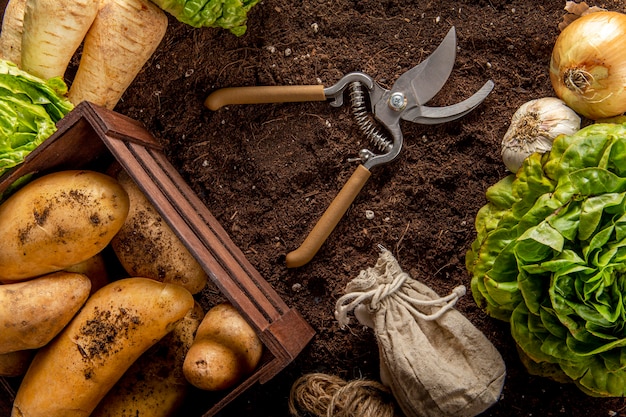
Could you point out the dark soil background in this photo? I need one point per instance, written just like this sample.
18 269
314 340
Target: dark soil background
268 172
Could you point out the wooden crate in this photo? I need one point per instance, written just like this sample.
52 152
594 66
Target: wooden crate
91 137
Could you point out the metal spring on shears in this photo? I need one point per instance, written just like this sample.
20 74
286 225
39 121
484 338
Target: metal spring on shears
363 119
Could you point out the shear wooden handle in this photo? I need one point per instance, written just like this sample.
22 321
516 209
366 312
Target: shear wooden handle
326 224
264 94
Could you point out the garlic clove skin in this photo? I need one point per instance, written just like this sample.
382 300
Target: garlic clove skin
534 126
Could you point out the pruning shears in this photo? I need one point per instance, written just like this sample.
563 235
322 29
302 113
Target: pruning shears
404 101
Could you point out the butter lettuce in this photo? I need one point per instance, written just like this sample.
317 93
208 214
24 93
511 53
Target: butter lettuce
29 110
227 14
550 258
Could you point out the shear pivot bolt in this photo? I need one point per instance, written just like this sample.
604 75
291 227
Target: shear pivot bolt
397 101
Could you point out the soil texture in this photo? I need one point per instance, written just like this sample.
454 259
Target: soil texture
268 171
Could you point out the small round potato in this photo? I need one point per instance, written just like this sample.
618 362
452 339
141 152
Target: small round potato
58 220
212 366
226 348
33 312
147 247
224 324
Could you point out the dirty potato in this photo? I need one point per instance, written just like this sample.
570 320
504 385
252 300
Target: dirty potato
33 312
58 220
146 246
70 375
155 385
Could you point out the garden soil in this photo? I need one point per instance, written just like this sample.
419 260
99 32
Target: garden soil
268 171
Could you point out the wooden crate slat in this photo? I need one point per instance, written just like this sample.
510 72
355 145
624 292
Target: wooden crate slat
209 220
93 137
221 248
120 127
213 268
289 330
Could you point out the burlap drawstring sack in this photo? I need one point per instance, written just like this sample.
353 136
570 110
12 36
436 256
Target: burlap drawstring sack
435 361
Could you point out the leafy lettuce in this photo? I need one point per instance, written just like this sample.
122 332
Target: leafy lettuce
227 14
29 110
550 258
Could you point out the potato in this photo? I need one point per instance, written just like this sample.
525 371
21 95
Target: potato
155 385
226 348
212 366
95 269
33 312
15 363
147 247
70 375
58 220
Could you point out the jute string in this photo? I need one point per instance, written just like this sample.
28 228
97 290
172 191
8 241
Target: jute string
377 294
323 395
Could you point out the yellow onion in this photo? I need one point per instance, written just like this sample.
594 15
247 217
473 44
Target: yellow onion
588 65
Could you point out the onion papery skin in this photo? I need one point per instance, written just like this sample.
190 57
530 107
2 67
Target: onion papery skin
592 47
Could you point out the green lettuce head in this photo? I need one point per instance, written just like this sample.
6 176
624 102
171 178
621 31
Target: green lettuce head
227 14
550 258
29 110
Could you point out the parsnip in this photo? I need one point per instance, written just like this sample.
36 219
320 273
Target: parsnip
53 31
124 35
12 29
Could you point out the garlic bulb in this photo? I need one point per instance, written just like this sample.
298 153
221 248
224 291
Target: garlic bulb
534 126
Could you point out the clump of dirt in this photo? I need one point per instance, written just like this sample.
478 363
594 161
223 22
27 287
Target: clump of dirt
101 336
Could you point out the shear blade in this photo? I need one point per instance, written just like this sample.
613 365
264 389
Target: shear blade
426 79
435 115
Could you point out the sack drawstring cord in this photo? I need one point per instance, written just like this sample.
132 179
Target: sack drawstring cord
350 301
